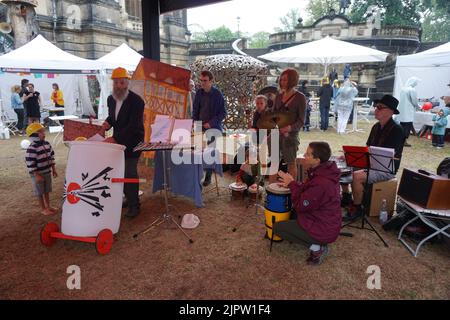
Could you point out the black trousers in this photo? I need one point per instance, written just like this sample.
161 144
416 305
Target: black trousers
407 127
131 190
20 118
437 140
291 231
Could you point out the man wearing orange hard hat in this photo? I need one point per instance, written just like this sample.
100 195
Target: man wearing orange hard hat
126 116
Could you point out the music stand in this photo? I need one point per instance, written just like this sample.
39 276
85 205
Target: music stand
165 216
360 157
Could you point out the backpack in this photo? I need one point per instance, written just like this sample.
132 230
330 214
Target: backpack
444 168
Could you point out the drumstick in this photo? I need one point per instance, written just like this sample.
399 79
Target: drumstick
127 180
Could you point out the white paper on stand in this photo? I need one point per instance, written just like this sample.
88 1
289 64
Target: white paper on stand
161 129
382 159
181 132
96 137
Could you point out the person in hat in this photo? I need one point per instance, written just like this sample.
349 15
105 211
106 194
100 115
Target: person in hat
407 106
126 116
385 133
40 159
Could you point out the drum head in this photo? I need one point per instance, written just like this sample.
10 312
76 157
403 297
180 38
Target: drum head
275 188
253 190
238 187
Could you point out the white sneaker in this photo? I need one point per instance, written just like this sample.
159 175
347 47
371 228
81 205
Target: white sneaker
438 147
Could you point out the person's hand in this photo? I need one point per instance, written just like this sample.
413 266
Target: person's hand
106 126
207 126
55 174
110 140
38 177
285 179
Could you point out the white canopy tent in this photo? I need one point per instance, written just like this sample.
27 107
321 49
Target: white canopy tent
326 51
123 56
431 66
43 63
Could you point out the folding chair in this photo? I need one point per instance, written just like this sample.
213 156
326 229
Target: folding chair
9 119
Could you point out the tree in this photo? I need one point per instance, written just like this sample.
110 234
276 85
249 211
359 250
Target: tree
319 8
436 21
219 34
393 12
259 40
289 21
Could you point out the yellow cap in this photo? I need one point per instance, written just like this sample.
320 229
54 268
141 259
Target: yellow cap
120 73
33 128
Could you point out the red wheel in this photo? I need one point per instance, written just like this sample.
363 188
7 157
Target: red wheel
104 241
46 232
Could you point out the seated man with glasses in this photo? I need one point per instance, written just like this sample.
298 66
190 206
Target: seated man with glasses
387 134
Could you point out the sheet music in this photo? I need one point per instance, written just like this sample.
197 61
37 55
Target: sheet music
181 133
382 159
161 129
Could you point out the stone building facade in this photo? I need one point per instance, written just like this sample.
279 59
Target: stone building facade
92 28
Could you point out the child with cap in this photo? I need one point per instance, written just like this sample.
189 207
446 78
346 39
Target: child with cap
438 131
40 159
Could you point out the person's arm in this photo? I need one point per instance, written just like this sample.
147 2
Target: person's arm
31 161
413 98
133 125
196 107
319 93
220 112
441 122
17 99
301 106
306 199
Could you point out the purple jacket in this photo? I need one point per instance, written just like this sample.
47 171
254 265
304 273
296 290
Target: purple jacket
318 203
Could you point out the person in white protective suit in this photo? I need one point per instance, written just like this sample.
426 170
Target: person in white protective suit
407 106
344 104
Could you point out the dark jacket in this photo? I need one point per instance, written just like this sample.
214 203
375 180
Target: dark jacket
129 125
317 202
325 93
217 105
390 136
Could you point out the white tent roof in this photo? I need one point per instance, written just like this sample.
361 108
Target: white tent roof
326 51
123 56
41 54
431 66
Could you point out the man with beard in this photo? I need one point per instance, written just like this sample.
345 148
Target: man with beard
126 116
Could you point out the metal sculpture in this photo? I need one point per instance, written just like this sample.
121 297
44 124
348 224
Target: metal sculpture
239 78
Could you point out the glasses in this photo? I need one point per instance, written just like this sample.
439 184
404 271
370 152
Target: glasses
204 80
380 107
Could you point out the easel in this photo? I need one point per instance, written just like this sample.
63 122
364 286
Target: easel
361 160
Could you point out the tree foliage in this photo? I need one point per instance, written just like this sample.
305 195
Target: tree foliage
259 40
222 33
436 20
289 21
319 8
393 12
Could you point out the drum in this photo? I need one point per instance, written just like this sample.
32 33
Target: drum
278 199
237 190
252 192
279 216
91 201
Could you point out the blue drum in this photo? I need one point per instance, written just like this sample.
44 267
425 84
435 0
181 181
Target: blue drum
278 199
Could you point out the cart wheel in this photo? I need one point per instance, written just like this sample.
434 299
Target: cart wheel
104 241
46 232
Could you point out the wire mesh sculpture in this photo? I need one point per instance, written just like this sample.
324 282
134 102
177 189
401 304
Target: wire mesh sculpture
239 78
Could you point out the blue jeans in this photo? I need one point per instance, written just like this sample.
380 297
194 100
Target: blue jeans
324 115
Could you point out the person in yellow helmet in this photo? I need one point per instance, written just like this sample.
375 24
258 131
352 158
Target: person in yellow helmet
40 160
126 116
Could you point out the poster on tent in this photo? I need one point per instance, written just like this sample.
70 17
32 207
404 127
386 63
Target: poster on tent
164 88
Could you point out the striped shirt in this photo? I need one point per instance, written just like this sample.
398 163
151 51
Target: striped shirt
39 156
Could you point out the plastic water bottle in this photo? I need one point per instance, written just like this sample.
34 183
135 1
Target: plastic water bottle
383 212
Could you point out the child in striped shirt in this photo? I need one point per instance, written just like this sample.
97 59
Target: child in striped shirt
40 159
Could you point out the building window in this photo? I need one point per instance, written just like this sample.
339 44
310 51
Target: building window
134 9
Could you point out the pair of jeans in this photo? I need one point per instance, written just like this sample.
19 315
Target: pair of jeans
437 140
131 190
20 118
324 116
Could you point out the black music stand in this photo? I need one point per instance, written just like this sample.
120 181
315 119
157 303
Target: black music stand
165 216
361 159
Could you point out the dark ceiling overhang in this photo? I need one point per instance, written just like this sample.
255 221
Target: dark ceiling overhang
172 5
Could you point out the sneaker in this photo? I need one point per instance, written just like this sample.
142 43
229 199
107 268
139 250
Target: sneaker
206 182
438 147
353 213
317 257
406 144
346 199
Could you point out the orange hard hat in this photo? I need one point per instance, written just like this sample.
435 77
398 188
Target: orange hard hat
120 73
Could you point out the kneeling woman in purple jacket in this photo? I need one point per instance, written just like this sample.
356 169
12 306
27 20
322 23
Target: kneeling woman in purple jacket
316 202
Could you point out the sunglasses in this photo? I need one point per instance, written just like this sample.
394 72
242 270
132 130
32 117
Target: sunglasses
380 107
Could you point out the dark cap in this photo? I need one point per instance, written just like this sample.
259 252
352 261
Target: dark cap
388 101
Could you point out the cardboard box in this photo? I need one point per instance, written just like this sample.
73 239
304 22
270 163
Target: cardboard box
383 190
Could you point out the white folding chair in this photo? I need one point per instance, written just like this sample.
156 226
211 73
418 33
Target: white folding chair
9 119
